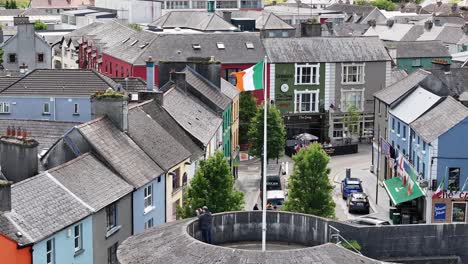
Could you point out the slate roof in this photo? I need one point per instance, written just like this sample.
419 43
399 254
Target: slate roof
270 21
60 82
197 20
133 84
228 89
6 81
192 115
179 48
154 140
414 105
455 80
204 88
60 3
9 229
397 75
419 49
392 93
440 119
444 8
91 181
398 32
363 11
41 206
321 49
121 152
162 117
349 29
448 33
129 49
44 131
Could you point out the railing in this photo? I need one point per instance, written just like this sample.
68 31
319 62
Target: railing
335 237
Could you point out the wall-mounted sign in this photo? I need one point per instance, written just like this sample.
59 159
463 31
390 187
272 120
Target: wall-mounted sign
440 210
284 87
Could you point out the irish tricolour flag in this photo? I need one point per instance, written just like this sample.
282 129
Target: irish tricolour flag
250 79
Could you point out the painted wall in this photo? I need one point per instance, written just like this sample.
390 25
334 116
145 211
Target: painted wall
227 115
452 152
103 240
426 63
64 245
60 108
374 81
11 254
235 123
380 129
420 154
400 139
26 45
158 213
132 10
285 74
175 195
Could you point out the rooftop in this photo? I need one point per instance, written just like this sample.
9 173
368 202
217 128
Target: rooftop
414 105
198 20
419 49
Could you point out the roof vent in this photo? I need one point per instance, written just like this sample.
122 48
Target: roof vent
196 46
249 45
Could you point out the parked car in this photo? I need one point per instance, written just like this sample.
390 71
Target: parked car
350 185
370 221
358 202
276 199
273 183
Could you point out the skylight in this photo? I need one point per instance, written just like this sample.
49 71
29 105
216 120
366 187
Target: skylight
125 40
133 43
220 45
196 46
249 45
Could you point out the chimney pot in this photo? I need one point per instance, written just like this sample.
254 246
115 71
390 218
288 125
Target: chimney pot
13 131
18 158
5 196
8 131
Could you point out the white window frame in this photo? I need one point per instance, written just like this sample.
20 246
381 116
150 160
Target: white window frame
312 66
50 252
311 92
416 62
4 108
345 70
344 108
78 237
44 108
148 198
149 223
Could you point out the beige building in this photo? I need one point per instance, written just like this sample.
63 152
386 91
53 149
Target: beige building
231 91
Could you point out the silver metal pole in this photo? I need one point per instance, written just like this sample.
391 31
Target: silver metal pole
264 154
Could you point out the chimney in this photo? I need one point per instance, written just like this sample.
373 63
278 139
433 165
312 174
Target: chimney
18 156
440 64
227 15
180 80
371 22
428 25
209 68
112 104
157 96
465 28
390 23
210 6
150 74
5 196
311 28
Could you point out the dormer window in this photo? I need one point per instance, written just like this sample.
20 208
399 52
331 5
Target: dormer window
220 45
196 46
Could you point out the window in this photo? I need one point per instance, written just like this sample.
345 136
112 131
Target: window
459 212
307 73
4 108
196 46
184 179
220 45
148 196
424 146
249 45
337 133
353 73
231 78
423 172
175 180
50 255
416 63
149 223
413 157
40 57
111 216
404 152
454 179
398 128
352 98
199 4
46 108
419 140
12 58
404 131
417 163
76 109
78 238
284 34
393 124
226 4
112 254
306 101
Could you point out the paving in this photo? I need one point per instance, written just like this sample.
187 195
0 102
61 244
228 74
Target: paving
248 182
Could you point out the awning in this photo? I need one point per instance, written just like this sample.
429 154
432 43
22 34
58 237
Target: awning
399 193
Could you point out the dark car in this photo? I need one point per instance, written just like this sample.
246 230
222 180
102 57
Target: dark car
350 185
358 202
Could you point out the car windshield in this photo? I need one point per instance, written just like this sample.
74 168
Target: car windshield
276 201
353 186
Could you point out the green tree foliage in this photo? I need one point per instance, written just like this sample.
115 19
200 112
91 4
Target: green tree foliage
1 56
351 121
310 190
276 136
361 2
11 4
384 4
247 110
135 26
39 25
213 186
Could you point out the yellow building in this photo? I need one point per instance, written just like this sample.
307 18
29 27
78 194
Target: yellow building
231 91
176 183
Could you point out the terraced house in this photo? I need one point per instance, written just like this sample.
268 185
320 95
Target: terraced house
314 81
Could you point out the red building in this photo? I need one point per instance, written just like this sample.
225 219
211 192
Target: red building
235 51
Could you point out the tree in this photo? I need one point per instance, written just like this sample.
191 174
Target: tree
136 27
361 2
11 4
7 4
351 121
310 191
276 133
1 56
247 110
39 25
384 4
213 186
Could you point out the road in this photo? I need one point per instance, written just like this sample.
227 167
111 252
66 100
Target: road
249 181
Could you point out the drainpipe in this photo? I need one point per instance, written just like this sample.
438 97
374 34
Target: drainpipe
55 109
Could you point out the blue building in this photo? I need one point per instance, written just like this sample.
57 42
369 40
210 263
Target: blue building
401 116
439 152
60 95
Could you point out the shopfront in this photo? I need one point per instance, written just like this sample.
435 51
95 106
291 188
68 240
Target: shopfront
450 207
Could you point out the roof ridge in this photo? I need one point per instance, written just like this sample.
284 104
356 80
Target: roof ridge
140 104
156 36
63 165
18 80
211 19
17 226
91 122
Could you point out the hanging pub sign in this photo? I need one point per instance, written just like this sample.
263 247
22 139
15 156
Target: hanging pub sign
440 210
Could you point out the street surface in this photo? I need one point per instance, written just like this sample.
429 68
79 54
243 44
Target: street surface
249 182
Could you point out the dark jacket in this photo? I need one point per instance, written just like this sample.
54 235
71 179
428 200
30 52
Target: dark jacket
206 220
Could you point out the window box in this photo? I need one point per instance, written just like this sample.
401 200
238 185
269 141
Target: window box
307 73
79 252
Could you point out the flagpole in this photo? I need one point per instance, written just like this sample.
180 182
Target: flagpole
264 154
